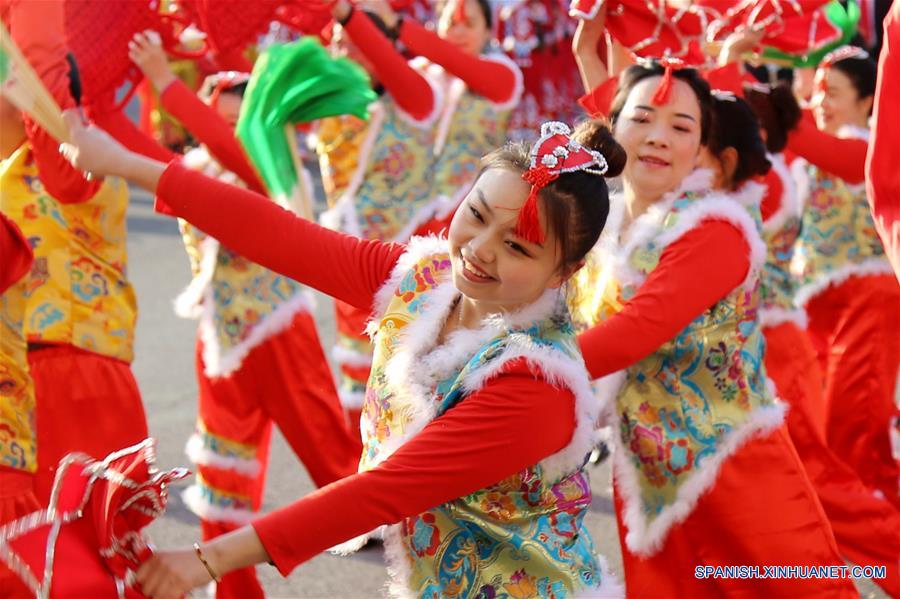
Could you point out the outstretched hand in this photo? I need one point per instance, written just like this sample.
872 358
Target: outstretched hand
171 574
146 51
91 149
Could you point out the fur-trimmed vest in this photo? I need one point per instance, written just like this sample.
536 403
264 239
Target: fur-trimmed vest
691 404
524 532
240 304
838 238
389 194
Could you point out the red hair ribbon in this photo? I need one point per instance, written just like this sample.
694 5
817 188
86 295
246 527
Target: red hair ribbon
664 90
220 82
554 154
459 15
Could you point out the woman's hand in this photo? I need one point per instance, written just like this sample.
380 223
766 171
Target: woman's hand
170 574
146 51
93 150
743 41
340 10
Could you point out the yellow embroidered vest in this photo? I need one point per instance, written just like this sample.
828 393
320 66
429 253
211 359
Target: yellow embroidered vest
837 234
470 127
338 142
18 440
689 405
389 195
524 534
78 292
240 303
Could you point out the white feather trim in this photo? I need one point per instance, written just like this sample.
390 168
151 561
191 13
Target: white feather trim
189 303
854 132
749 194
200 455
397 563
218 363
867 268
197 504
344 356
610 587
774 316
789 204
351 400
645 540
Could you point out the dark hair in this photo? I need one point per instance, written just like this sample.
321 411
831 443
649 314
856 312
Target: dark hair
485 7
380 24
735 126
777 110
637 73
236 90
575 204
862 73
74 78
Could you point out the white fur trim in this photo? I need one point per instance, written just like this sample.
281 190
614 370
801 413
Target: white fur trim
456 89
344 356
420 64
717 207
197 504
606 389
200 455
397 563
588 14
800 174
610 587
216 363
645 540
352 400
189 303
774 316
750 194
854 132
789 204
868 268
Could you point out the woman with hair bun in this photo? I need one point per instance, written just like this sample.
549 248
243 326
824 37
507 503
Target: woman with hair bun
705 473
473 342
845 281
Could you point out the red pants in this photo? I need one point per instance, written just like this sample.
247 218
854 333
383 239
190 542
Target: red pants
761 511
16 501
286 381
855 329
85 402
866 528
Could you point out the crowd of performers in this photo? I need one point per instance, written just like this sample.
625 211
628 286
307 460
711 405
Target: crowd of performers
694 267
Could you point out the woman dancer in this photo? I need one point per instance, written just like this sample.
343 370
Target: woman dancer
473 342
259 360
693 412
846 283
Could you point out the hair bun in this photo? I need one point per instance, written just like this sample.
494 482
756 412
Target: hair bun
596 135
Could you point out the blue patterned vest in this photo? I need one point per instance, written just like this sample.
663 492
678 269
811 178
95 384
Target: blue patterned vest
525 535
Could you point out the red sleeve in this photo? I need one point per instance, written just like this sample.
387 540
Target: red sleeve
882 174
346 268
598 101
15 253
488 78
511 424
843 158
728 78
211 130
120 126
410 89
695 272
37 29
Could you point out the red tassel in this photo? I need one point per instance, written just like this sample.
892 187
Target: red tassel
528 225
664 89
459 16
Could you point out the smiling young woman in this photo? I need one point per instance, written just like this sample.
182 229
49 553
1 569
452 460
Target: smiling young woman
472 341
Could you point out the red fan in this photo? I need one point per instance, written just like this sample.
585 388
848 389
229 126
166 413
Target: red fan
98 32
88 541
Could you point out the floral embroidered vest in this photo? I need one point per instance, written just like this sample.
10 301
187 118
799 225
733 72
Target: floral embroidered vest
338 142
389 194
837 237
469 127
240 304
18 447
523 533
689 405
78 293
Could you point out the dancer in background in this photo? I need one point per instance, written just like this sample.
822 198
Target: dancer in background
259 359
471 332
846 284
704 463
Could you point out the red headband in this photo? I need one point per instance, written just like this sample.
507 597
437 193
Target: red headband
553 154
225 80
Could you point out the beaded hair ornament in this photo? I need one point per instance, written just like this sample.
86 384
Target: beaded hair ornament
835 56
554 154
216 84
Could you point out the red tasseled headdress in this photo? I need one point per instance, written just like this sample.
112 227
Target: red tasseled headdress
664 90
554 154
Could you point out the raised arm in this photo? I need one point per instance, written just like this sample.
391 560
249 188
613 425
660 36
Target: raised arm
498 80
695 272
345 267
843 158
512 423
202 121
37 29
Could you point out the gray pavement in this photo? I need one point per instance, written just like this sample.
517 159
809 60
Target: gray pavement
164 367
